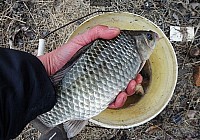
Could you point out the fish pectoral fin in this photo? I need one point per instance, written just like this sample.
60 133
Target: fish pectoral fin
72 128
37 124
141 66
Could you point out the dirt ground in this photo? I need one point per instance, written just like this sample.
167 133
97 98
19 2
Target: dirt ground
23 22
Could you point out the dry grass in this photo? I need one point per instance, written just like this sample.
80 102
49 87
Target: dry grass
23 22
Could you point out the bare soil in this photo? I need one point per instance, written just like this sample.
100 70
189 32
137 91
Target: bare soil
23 22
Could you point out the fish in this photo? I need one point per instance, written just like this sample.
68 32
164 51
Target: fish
95 75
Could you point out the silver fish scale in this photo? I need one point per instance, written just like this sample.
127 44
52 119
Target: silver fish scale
95 79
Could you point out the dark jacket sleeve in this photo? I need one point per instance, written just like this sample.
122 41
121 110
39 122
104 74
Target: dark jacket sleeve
25 91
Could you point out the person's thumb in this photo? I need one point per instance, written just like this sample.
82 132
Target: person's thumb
56 59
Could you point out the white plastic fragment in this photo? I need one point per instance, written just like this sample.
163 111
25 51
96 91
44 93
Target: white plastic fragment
41 47
181 33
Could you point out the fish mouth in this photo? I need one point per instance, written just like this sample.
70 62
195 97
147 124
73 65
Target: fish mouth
158 37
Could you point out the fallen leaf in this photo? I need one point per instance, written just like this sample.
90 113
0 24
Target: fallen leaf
152 129
196 75
191 114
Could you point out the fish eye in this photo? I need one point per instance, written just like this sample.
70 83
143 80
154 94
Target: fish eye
149 36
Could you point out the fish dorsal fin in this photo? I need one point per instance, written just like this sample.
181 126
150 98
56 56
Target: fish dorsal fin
72 128
57 77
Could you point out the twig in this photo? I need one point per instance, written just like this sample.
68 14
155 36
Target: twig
179 13
162 130
52 17
198 26
189 125
195 17
192 63
14 19
29 12
92 126
44 1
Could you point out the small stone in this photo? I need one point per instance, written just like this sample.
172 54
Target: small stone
196 75
194 52
191 114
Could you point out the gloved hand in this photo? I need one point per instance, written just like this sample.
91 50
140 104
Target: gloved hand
56 59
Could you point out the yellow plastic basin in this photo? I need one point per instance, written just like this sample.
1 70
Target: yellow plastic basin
164 73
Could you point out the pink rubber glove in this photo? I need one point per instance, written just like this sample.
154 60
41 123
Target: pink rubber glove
56 59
